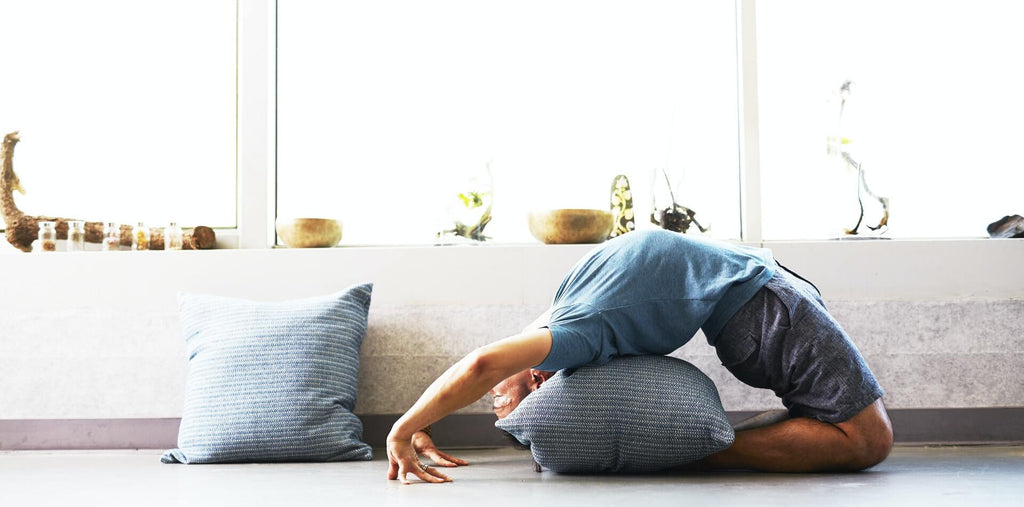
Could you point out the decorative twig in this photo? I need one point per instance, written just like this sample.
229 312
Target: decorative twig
676 218
862 184
23 229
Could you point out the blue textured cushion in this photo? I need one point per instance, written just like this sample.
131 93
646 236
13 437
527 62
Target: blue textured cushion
633 414
272 381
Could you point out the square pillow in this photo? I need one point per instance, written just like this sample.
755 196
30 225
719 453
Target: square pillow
272 381
633 414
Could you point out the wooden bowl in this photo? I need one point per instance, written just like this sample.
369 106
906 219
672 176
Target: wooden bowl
309 232
565 226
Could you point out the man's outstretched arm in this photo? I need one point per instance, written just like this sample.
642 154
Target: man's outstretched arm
463 383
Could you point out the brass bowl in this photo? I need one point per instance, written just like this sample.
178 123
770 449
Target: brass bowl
565 226
309 232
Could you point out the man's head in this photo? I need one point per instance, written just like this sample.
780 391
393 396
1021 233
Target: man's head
509 392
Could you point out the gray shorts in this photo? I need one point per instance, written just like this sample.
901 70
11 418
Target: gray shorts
784 339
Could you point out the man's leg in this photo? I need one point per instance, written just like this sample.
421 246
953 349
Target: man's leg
761 420
785 340
809 445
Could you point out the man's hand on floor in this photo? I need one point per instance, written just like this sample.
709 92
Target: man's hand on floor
403 460
424 445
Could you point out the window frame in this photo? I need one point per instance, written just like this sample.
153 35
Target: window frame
227 236
903 269
257 96
256 128
257 125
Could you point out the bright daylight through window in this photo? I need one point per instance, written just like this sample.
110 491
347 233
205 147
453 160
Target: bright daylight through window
931 116
397 116
126 109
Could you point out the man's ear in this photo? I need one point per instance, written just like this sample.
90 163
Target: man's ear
538 377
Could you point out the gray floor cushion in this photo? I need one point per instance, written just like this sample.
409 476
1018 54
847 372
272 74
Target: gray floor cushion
272 381
633 414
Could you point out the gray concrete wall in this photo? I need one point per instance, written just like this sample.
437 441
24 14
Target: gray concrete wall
926 354
95 336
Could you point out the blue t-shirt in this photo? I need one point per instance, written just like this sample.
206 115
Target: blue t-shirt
648 292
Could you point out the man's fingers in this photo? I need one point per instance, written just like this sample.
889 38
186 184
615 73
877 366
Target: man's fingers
402 461
436 475
443 459
424 473
452 459
441 462
403 472
439 459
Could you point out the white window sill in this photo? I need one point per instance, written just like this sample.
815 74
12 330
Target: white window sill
497 273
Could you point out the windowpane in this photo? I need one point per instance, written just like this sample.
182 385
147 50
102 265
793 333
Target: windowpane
126 109
933 115
386 108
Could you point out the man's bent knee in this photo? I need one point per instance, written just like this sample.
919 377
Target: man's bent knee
871 450
870 434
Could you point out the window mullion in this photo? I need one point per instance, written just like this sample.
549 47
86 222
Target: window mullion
255 102
749 142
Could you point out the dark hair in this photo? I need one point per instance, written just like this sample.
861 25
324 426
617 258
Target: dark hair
522 447
514 441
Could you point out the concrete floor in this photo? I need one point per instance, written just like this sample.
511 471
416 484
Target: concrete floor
983 475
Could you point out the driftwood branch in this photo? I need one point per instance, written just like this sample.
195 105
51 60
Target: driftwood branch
862 185
23 229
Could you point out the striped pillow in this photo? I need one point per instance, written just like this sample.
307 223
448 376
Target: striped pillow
633 414
272 381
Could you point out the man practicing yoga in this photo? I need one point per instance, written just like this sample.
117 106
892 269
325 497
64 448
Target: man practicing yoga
648 292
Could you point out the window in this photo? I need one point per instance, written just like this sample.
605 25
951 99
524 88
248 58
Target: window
933 115
387 110
126 109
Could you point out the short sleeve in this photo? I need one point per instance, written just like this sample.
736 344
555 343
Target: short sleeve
575 343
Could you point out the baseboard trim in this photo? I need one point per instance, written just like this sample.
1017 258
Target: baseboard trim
45 434
911 427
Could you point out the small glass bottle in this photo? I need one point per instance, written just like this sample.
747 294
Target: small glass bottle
47 237
76 236
157 241
172 237
111 236
140 237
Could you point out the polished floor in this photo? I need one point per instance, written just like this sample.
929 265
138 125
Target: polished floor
932 476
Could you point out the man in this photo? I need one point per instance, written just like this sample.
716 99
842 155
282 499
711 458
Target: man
648 293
